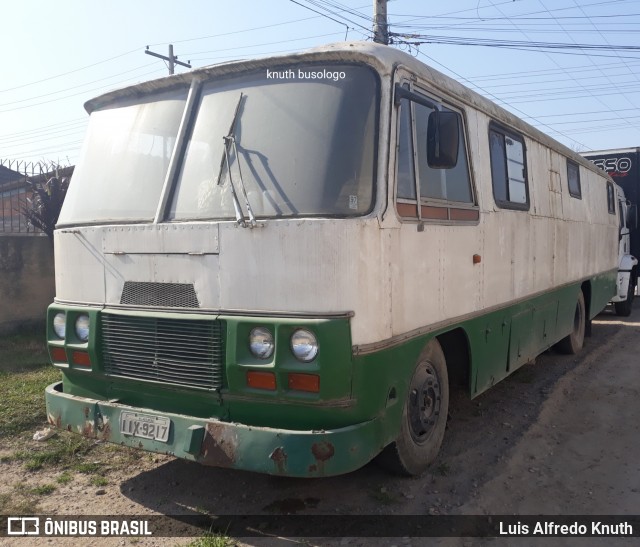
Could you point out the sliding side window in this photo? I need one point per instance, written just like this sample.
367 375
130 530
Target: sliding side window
573 176
406 171
611 201
508 169
425 192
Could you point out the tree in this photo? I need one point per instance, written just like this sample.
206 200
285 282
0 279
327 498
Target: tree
43 207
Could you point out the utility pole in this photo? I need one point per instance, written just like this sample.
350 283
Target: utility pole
173 59
380 25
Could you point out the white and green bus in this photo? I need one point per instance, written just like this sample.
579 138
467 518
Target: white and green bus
281 265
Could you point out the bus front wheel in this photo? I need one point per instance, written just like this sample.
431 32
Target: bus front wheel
424 416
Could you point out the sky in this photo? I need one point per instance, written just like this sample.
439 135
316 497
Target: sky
569 67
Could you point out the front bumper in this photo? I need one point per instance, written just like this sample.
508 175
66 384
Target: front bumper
224 444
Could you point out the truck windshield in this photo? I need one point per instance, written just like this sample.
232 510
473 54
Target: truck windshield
303 145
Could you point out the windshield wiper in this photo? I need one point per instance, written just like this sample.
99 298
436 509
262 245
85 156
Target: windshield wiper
230 139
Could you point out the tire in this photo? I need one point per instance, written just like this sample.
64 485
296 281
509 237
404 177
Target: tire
424 416
573 343
623 309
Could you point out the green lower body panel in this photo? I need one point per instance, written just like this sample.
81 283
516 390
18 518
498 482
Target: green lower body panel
221 444
143 379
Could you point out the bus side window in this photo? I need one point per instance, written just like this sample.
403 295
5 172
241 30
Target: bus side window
610 199
441 184
424 192
406 169
573 177
508 169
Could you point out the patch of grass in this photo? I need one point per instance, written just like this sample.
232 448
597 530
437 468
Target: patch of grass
5 499
24 374
210 539
64 478
99 481
89 468
23 406
16 504
63 449
43 489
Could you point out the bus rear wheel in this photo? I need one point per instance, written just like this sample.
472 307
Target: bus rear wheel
424 416
573 343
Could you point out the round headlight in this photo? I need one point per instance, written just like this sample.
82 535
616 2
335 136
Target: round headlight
261 342
304 345
59 324
82 327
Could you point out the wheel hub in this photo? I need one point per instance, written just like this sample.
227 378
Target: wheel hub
424 403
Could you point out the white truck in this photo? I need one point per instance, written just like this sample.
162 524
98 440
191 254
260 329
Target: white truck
628 264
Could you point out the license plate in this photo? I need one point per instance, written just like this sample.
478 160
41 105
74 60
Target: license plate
145 426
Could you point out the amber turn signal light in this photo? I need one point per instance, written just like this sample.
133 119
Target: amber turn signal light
261 380
304 382
58 355
81 358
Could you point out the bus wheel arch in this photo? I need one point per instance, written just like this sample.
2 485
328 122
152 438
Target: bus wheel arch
424 415
457 353
573 342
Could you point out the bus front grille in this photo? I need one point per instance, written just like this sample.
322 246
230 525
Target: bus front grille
185 352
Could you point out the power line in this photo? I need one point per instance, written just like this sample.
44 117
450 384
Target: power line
498 99
263 44
79 93
335 15
43 128
68 72
321 4
523 18
75 87
607 2
517 44
60 133
542 72
597 67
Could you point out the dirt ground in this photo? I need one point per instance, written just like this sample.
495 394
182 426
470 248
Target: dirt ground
560 436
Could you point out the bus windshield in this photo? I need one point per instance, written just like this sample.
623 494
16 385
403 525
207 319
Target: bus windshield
302 144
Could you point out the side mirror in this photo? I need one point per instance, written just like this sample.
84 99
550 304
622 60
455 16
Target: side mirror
443 138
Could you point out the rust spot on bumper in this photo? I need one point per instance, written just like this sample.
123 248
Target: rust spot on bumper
219 446
105 434
55 421
323 451
87 430
279 456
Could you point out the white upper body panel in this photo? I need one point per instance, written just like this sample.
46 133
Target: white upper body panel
393 275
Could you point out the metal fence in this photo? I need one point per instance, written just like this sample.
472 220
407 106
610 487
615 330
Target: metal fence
12 204
15 192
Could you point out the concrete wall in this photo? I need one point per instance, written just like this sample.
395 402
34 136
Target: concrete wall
27 284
